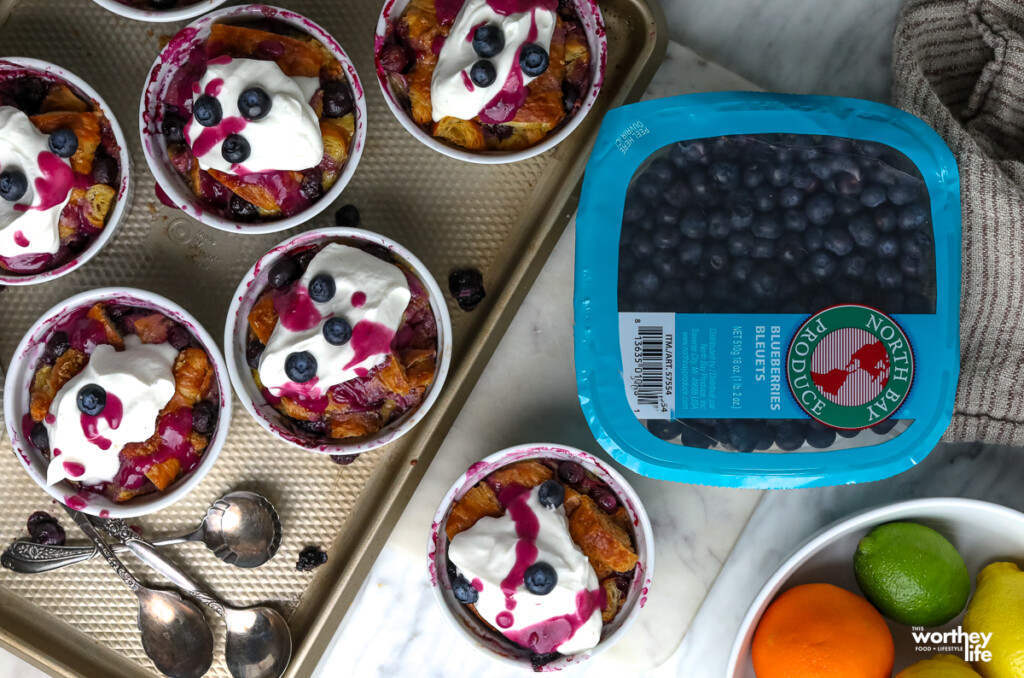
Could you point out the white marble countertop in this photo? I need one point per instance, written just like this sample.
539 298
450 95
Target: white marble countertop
780 44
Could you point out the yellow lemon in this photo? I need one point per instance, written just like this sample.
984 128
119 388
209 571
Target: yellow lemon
940 666
998 608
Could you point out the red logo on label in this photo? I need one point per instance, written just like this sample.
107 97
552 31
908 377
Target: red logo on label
850 366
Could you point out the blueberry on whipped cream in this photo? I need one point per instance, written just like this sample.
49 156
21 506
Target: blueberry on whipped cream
35 185
112 402
494 50
249 117
532 582
337 322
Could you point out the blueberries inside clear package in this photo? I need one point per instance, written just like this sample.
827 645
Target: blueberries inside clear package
767 289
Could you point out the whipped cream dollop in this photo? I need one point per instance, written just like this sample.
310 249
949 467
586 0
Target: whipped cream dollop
31 224
286 139
452 90
494 555
370 294
139 382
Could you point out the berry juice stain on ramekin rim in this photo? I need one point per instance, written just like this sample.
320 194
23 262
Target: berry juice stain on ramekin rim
643 535
151 107
18 67
236 331
590 16
22 370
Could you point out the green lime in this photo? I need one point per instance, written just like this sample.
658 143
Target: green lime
912 574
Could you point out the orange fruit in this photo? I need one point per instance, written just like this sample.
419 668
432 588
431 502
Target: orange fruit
822 631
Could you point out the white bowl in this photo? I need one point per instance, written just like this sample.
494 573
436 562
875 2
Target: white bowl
151 116
593 23
19 381
469 625
236 330
160 15
983 533
11 66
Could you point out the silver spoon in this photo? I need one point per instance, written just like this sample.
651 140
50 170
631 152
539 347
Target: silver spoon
175 634
258 645
241 528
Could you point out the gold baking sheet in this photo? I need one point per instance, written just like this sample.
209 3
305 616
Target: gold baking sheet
503 220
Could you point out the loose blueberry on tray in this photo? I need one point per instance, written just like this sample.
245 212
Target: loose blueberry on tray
776 224
310 558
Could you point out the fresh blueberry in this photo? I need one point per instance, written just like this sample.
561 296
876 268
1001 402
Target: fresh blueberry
540 579
63 142
741 217
666 429
533 59
888 247
254 103
571 472
310 558
912 217
726 174
693 289
337 99
677 194
790 196
717 258
666 264
918 244
779 175
488 40
104 170
854 266
551 494
903 193
767 226
791 249
337 331
660 172
814 238
718 225
764 283
691 437
884 426
283 272
322 288
846 206
741 270
693 224
873 195
803 179
794 220
642 245
822 265
742 436
467 287
300 366
483 73
92 398
740 244
845 288
241 209
863 231
666 215
463 591
207 111
885 218
204 417
13 185
820 167
700 186
820 209
838 241
694 151
253 352
753 175
913 265
889 276
762 249
764 198
820 436
849 185
644 282
235 149
789 435
39 436
173 128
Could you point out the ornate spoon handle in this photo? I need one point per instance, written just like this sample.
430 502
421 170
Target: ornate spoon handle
24 557
147 553
90 531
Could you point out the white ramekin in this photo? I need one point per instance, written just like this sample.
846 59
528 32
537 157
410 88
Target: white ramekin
151 116
17 399
593 23
17 66
982 532
469 625
236 331
160 15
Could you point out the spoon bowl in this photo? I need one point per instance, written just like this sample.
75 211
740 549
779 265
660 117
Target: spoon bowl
241 528
175 635
258 645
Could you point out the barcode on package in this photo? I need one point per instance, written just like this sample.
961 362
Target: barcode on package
648 343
